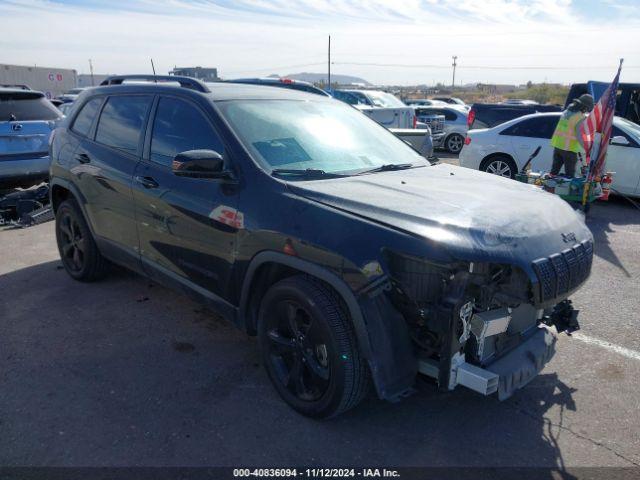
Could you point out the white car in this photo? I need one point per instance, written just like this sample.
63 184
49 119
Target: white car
383 107
503 150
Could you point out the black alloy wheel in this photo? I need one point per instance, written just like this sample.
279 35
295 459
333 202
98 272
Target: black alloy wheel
72 243
309 348
78 251
298 350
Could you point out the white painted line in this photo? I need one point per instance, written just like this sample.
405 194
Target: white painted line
609 346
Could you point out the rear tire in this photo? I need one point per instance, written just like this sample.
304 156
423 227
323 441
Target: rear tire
454 143
501 165
309 348
78 250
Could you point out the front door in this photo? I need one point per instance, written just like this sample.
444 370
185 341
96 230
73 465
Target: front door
186 226
624 160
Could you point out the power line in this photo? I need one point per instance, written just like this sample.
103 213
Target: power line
478 67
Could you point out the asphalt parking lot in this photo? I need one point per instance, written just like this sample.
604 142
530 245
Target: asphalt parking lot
125 372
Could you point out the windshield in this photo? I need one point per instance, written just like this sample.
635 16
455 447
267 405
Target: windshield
328 136
386 100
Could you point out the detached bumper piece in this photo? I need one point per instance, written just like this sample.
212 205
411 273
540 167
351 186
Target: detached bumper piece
507 374
521 365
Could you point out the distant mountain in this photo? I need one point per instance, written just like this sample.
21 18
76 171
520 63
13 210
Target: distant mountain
317 77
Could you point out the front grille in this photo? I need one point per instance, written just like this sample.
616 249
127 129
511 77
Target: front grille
563 272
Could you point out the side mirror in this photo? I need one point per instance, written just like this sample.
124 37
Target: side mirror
199 164
619 140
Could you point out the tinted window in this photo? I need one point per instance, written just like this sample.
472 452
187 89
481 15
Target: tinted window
121 121
84 120
23 106
449 115
541 127
179 127
347 97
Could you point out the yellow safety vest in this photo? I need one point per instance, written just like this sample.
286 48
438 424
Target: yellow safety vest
565 137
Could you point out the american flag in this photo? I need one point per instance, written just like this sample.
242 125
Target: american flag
599 121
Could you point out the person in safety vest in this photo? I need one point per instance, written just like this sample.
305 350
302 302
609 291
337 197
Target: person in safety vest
566 140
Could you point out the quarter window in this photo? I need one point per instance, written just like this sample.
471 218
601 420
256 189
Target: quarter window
121 121
179 127
84 120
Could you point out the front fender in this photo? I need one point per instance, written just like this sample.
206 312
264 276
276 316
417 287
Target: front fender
380 330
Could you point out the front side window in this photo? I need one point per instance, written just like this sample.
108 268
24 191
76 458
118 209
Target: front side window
84 120
178 127
328 136
121 121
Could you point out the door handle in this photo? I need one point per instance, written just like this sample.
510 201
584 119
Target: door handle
146 182
83 157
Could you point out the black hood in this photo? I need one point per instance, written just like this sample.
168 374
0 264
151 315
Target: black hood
475 215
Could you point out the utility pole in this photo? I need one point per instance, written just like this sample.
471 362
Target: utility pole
329 65
453 81
91 70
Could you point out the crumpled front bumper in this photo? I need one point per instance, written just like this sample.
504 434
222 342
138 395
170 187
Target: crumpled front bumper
521 365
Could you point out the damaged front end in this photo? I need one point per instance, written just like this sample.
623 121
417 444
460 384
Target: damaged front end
480 325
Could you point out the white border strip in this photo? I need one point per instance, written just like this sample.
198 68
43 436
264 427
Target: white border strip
609 346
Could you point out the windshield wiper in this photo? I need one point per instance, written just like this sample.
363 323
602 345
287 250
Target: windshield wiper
388 167
305 172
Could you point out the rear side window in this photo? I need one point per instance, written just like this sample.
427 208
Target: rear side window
25 106
541 127
84 120
178 127
450 116
121 121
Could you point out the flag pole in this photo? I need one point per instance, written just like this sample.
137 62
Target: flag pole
592 165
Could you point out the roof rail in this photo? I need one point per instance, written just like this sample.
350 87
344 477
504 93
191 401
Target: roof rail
185 82
19 86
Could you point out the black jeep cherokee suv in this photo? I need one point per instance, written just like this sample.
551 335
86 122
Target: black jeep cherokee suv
353 259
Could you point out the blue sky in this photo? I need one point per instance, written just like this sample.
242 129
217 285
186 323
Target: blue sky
387 42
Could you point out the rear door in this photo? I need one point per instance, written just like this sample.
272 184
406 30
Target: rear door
104 163
186 226
527 135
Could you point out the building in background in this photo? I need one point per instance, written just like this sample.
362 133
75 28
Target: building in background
84 79
201 73
52 81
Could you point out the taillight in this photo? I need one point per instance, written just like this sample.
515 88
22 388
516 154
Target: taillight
471 117
415 121
467 140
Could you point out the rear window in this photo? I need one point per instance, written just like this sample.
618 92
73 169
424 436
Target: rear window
24 106
121 121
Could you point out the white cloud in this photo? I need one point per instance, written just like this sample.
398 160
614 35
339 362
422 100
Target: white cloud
253 37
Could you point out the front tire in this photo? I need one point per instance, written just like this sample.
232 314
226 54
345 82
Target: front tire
78 250
309 348
454 143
